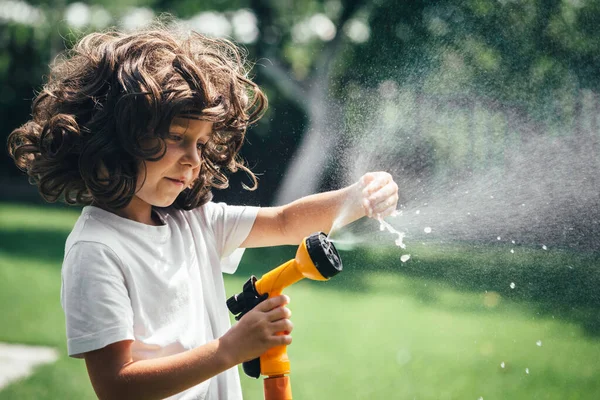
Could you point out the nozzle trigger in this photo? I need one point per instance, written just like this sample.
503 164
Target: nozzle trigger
240 304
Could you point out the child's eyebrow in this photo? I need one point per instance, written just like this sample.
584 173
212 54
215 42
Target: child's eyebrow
190 116
178 126
179 121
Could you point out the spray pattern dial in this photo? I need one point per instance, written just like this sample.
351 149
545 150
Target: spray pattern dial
324 255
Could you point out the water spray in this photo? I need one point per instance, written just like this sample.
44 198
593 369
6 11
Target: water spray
316 259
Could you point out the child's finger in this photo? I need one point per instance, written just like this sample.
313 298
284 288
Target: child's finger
390 211
282 340
380 182
273 302
366 179
373 186
279 313
283 325
372 177
383 194
381 207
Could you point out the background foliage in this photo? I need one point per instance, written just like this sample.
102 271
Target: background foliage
531 60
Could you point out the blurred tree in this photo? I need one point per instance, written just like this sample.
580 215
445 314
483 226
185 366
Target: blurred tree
529 61
532 56
24 54
523 53
301 68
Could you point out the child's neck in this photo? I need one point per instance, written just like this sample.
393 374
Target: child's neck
137 210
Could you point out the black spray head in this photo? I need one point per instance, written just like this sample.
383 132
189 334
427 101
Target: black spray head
323 254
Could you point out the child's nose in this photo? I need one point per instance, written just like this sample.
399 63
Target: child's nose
191 156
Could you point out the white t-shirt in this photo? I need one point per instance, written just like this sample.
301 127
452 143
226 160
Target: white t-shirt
160 286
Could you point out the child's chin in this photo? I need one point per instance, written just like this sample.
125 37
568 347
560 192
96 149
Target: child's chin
165 203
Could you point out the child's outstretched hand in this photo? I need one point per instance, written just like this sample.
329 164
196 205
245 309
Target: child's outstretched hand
378 194
256 332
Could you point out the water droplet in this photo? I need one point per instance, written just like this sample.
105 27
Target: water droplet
480 398
512 251
544 247
427 229
405 257
512 241
491 197
385 226
502 364
527 371
539 343
512 285
418 212
499 238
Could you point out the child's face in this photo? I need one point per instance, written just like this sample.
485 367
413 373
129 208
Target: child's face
163 180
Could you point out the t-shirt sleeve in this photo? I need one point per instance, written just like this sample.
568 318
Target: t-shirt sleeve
231 226
94 298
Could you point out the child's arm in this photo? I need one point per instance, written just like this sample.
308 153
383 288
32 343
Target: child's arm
115 375
375 194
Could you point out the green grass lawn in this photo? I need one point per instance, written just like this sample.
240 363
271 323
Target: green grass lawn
437 327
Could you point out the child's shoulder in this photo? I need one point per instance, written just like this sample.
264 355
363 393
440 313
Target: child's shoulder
94 225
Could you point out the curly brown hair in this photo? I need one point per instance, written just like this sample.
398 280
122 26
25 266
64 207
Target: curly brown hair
114 91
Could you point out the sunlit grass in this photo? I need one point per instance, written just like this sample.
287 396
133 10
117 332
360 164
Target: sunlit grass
373 332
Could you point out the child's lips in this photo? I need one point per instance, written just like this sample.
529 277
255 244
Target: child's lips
179 182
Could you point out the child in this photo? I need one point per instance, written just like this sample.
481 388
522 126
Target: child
139 128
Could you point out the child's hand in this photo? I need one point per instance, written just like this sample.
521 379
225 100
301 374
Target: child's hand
256 331
379 194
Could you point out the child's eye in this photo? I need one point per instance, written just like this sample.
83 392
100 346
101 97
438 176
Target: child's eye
174 137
